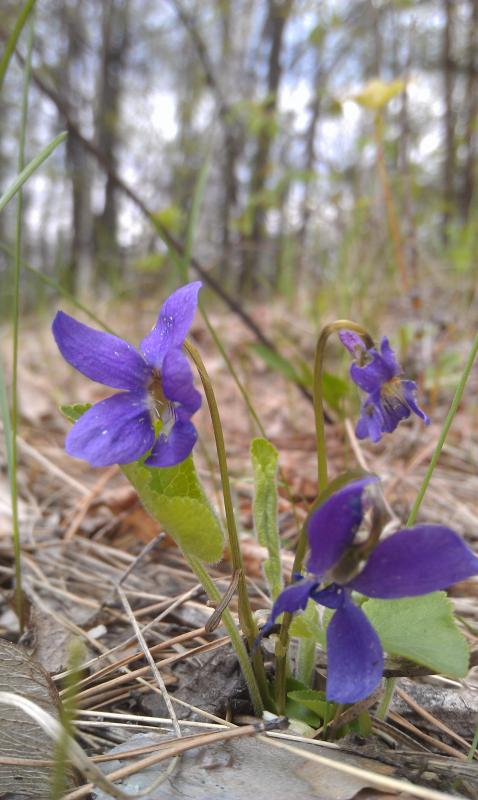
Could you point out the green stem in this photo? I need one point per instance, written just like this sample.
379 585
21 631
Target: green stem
338 325
236 639
322 476
246 618
16 315
306 661
386 699
444 432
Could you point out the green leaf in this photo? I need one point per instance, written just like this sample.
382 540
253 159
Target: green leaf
422 629
30 168
306 626
74 411
175 498
295 709
264 508
334 389
277 362
315 701
376 94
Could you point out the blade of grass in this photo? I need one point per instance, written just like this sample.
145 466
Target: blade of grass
15 320
198 195
13 38
30 168
5 415
57 287
444 432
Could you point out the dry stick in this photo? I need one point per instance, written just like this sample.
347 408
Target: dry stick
204 648
166 645
175 749
87 501
370 778
169 642
149 658
409 726
162 686
430 718
167 237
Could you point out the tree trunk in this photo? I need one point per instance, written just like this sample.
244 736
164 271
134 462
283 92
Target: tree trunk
79 268
113 56
449 120
470 139
278 13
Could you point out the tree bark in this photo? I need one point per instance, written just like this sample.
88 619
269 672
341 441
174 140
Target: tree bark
470 138
278 14
113 56
449 120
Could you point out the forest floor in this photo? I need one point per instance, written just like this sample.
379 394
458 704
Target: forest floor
83 528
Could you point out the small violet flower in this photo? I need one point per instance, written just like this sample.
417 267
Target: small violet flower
411 562
389 398
157 384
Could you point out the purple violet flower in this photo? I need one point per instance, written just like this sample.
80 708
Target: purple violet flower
157 384
411 562
390 398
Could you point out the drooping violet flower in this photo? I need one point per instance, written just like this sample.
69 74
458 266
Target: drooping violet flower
157 384
411 562
389 397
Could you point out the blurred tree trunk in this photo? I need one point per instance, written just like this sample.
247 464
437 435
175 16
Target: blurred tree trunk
310 160
113 57
449 119
277 16
78 270
470 138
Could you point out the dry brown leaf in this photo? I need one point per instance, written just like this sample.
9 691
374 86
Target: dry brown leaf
20 736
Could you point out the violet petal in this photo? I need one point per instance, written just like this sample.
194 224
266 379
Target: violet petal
416 561
100 356
174 447
354 656
369 424
373 375
409 393
117 430
292 598
177 380
332 526
172 325
352 341
388 357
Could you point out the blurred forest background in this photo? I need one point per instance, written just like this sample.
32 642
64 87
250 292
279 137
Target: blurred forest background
248 106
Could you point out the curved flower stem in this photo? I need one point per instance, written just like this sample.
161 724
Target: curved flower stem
322 479
236 639
338 325
247 621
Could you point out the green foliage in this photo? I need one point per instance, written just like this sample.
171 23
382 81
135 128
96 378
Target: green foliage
315 701
175 498
277 362
171 218
306 626
30 168
334 389
150 262
422 629
13 38
264 461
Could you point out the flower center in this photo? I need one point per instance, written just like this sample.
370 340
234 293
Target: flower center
392 388
160 407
